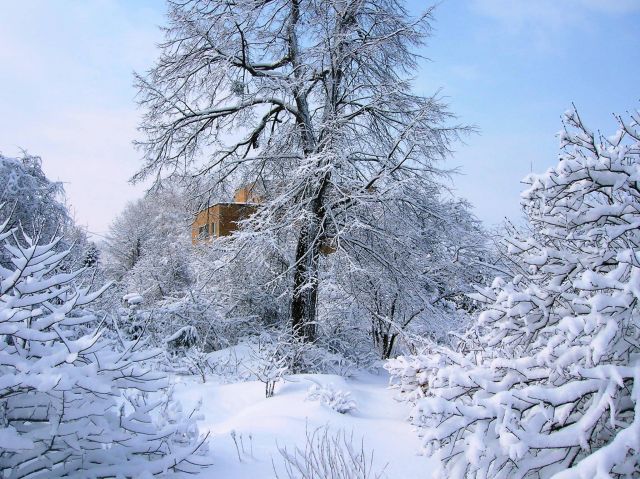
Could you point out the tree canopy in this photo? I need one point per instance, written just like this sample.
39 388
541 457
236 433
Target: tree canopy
315 98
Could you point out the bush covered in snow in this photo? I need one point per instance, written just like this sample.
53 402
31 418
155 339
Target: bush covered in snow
36 203
551 384
411 374
71 403
38 207
328 455
339 401
268 365
182 340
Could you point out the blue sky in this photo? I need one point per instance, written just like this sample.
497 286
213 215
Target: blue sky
508 67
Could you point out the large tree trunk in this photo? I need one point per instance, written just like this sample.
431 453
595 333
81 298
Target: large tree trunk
305 283
305 277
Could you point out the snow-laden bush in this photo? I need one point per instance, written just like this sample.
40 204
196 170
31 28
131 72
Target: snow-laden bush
551 385
159 320
327 455
37 204
183 356
72 405
338 400
38 207
182 340
133 322
410 374
268 365
275 353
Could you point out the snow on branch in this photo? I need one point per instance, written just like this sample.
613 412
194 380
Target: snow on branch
550 386
71 405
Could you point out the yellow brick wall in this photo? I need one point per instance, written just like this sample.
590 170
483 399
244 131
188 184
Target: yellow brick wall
225 217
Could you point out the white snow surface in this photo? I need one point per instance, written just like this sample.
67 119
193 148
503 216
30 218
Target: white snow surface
263 425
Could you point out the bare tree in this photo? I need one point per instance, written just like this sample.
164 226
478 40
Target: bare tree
312 96
144 249
414 280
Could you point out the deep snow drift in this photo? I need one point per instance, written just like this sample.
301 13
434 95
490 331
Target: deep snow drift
262 425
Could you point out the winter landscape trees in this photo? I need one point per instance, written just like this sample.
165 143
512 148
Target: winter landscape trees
351 252
73 404
313 98
147 242
547 383
37 205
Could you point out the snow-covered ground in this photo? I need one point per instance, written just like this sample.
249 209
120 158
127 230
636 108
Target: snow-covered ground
262 425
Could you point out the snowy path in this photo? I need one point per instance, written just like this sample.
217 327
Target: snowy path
241 407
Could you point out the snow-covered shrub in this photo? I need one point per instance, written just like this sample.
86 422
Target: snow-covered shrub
198 363
157 320
205 311
38 207
287 351
300 356
183 355
182 340
133 323
36 203
228 364
268 365
339 401
320 356
185 432
410 374
551 386
328 455
74 405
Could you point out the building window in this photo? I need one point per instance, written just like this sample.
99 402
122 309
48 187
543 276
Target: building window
214 233
203 231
